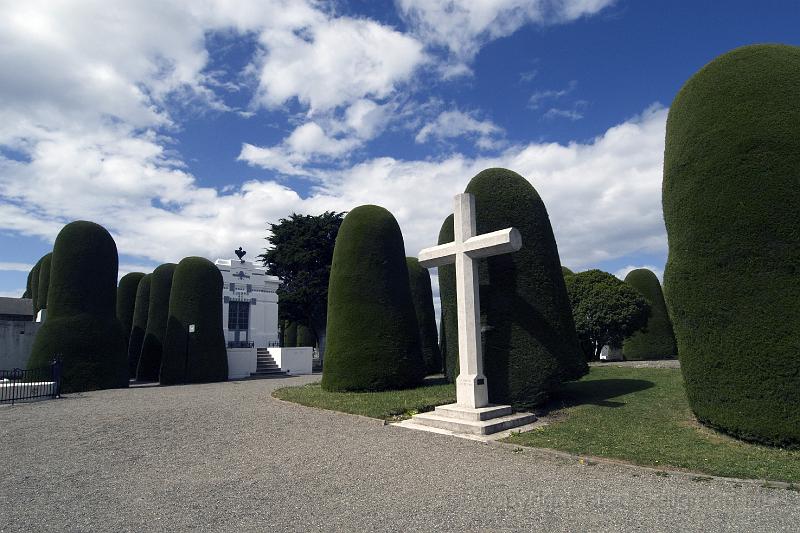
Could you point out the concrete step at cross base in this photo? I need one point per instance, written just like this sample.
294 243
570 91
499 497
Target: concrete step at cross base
441 420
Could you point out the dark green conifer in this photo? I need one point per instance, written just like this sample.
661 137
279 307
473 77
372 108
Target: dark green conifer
139 323
732 212
656 340
290 335
43 286
35 286
373 339
195 298
447 299
81 327
157 314
419 280
305 337
126 300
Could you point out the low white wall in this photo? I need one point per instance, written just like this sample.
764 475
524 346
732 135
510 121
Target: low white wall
16 341
241 362
293 360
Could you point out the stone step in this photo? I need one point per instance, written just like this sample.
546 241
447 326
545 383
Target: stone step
270 372
267 365
265 359
453 410
474 427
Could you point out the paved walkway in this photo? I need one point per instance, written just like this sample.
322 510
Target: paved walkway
228 457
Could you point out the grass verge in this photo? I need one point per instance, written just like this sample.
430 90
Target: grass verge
393 405
641 415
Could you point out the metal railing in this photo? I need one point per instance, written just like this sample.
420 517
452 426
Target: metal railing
241 344
19 385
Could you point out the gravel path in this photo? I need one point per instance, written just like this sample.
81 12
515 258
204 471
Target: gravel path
228 457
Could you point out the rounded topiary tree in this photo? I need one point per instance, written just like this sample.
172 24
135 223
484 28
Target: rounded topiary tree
290 335
43 286
305 336
126 301
81 326
373 340
419 279
656 340
27 293
157 314
530 343
139 323
195 298
447 299
35 286
732 212
566 271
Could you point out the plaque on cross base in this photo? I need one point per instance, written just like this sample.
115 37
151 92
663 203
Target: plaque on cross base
472 412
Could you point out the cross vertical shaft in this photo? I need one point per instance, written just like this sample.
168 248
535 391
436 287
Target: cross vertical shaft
471 388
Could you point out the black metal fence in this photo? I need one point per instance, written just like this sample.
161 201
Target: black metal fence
19 385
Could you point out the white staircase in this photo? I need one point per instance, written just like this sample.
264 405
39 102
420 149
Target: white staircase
266 365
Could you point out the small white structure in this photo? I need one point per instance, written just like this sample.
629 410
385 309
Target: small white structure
607 353
472 412
249 304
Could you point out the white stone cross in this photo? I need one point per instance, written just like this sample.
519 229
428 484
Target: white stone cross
471 387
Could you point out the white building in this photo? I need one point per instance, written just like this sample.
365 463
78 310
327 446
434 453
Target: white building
249 304
250 322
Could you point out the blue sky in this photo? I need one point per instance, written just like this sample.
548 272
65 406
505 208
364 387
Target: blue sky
185 127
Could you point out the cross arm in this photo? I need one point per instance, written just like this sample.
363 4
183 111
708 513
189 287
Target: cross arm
436 256
494 243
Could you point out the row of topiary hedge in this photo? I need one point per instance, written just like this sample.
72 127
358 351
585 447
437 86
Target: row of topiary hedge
104 333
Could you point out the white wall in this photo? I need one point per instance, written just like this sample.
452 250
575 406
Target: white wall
293 360
16 341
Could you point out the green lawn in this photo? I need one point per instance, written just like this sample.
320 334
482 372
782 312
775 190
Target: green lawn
641 415
388 405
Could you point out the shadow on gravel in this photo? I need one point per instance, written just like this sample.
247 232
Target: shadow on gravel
595 392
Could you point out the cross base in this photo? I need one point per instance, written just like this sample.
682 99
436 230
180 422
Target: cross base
480 421
471 391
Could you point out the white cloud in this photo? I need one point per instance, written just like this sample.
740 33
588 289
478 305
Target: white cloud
15 267
456 123
571 114
14 293
462 27
335 62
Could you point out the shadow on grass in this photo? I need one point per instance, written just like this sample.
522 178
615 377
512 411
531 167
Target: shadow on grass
594 392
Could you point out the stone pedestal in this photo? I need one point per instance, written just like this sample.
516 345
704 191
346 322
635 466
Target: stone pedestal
475 421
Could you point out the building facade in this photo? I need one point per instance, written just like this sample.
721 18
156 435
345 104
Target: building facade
249 304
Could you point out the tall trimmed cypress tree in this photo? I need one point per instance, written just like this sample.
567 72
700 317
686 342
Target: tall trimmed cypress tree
419 279
35 286
566 271
139 323
195 298
81 326
305 337
656 340
732 213
530 344
290 335
447 299
126 300
373 339
43 286
157 314
27 293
